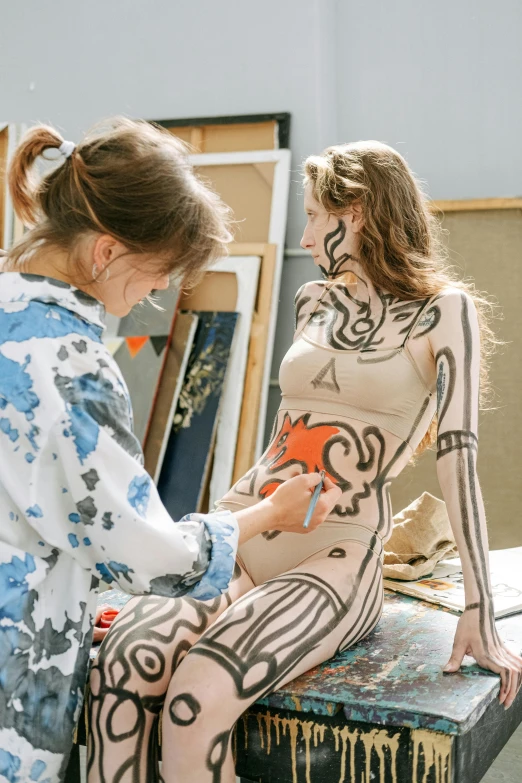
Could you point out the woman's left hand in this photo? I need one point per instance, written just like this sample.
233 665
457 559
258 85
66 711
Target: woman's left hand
494 655
99 633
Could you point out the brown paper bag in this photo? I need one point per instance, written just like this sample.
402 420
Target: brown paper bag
421 537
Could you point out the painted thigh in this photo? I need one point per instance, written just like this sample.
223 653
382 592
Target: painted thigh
265 639
132 672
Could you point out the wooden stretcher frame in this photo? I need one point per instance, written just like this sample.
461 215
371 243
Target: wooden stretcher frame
169 388
193 129
255 377
276 236
476 204
246 269
9 136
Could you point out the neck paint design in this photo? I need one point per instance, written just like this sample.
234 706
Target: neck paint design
349 324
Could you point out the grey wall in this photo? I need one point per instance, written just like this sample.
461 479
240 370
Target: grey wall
440 81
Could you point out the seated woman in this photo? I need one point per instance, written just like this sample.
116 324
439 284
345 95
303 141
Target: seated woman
386 360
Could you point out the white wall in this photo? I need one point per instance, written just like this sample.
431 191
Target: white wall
440 81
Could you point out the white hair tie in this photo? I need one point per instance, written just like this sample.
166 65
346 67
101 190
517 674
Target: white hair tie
67 148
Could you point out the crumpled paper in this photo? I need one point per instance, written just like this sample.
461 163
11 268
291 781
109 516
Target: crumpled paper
421 537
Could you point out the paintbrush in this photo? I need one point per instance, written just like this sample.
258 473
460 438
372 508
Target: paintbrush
313 501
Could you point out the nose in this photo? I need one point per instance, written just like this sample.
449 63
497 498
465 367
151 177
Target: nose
307 240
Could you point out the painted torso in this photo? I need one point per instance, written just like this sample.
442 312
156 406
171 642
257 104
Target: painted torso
358 395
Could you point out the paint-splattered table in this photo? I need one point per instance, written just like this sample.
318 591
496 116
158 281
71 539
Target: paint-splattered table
383 711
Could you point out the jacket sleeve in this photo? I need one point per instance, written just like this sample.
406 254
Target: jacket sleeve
92 498
455 341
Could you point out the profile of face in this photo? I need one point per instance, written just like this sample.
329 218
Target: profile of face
331 240
122 279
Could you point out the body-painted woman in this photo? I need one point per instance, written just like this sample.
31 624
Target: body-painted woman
386 358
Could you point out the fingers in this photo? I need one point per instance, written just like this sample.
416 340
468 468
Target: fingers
505 684
332 492
327 501
99 634
328 484
99 611
510 677
457 656
325 504
497 658
514 680
305 481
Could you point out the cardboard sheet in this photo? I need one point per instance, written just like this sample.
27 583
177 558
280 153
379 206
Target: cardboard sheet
487 246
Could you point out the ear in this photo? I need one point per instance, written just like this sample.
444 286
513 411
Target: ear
355 217
106 249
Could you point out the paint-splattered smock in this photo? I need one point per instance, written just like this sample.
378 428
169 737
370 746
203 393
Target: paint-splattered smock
76 506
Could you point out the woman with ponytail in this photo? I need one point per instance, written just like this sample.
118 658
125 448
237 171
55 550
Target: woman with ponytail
119 216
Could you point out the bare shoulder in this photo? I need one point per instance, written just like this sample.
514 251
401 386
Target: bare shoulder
310 291
454 302
450 313
305 301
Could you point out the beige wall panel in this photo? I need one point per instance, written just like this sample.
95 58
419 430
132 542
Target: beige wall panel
238 137
185 134
217 291
487 246
235 182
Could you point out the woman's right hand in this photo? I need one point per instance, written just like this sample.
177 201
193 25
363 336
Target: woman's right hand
291 499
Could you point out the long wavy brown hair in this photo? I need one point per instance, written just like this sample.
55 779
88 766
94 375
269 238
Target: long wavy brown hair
401 240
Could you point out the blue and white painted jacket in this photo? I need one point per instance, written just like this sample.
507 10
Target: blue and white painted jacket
76 506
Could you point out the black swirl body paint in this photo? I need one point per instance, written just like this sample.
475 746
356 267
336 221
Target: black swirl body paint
146 645
349 324
266 636
428 322
217 755
184 709
463 444
280 623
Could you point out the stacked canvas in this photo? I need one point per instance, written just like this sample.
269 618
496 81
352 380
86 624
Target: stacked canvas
139 344
169 391
185 469
187 363
200 407
195 421
10 134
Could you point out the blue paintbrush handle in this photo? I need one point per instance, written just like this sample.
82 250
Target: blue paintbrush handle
313 501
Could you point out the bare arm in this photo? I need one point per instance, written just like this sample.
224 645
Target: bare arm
455 342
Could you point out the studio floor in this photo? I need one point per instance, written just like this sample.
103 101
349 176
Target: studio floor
508 766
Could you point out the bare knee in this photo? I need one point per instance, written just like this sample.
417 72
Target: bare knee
199 692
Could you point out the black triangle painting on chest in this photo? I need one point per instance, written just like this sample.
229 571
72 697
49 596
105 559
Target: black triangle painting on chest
325 378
